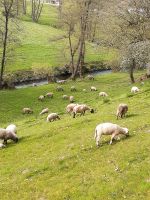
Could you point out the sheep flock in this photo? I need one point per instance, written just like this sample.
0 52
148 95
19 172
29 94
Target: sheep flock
74 109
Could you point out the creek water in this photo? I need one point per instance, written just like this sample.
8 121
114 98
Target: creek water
45 82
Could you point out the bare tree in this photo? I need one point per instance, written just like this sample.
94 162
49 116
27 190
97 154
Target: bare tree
24 6
77 19
8 27
37 7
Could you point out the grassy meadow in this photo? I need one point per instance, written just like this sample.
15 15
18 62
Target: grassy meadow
45 44
60 160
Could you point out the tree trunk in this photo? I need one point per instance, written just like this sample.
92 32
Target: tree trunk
24 7
4 51
131 71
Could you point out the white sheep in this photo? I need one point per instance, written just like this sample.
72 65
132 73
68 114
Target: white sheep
44 111
70 107
134 89
27 111
59 89
93 88
34 85
81 109
2 146
84 90
12 127
52 117
71 99
7 135
90 77
122 110
73 89
109 129
41 97
61 81
103 94
65 97
49 94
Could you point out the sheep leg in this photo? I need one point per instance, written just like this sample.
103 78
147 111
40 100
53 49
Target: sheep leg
98 140
74 115
112 137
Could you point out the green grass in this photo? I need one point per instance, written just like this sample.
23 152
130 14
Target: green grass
44 45
59 160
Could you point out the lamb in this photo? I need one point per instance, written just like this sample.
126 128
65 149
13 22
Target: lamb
134 89
12 127
41 97
50 95
34 85
52 117
70 107
2 146
73 89
61 81
71 99
81 109
59 89
7 135
90 77
93 88
103 94
27 111
109 129
122 110
44 111
65 97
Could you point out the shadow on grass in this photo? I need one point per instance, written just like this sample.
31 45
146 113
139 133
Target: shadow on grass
131 115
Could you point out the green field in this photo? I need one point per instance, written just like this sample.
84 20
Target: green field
44 44
60 160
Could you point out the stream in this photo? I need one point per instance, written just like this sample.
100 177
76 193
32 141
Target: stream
45 82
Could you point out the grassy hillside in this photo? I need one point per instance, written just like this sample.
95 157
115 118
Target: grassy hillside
59 160
44 45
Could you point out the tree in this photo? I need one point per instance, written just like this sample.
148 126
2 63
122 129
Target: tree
24 6
37 7
128 31
77 17
8 37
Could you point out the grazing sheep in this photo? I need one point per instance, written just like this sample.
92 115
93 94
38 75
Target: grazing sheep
134 89
61 81
81 109
44 111
52 117
41 97
27 111
84 90
65 97
12 127
90 77
70 107
93 88
7 135
50 95
59 89
34 85
103 94
109 129
2 146
73 89
71 99
122 110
